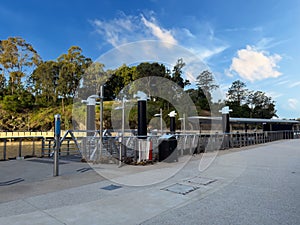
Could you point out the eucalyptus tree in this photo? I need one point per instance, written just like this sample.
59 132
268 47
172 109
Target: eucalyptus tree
17 59
72 66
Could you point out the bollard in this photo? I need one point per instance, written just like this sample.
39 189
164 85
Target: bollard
57 145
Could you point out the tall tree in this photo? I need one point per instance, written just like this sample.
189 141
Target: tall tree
44 80
2 84
206 83
71 68
93 77
237 93
177 74
16 57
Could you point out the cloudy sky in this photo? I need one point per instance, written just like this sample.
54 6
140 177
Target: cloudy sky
255 41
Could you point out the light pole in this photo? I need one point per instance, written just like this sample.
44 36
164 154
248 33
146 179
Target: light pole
161 120
101 96
122 129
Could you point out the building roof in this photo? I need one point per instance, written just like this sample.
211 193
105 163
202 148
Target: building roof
244 120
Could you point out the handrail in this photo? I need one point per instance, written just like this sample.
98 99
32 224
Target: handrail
188 142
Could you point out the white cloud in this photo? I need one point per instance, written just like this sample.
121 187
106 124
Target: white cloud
273 94
253 65
161 33
295 84
205 53
115 31
293 103
282 82
128 28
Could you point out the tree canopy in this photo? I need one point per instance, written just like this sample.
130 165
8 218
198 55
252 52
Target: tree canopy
249 104
28 82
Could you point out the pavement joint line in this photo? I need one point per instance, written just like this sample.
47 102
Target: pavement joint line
11 182
43 211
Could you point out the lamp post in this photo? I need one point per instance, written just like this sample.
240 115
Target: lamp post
101 96
161 120
122 129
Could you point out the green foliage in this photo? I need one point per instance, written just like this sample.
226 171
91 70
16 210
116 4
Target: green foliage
177 74
206 84
261 105
16 57
18 102
94 76
249 104
71 69
44 81
237 92
30 86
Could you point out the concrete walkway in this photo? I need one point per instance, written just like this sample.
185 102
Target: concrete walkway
256 185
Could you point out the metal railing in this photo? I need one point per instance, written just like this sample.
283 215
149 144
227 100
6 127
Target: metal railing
114 148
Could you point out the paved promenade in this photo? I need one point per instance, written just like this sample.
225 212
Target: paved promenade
254 185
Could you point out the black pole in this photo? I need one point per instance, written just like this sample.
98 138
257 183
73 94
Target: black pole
225 123
172 125
142 119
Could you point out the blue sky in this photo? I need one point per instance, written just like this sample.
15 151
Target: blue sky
254 41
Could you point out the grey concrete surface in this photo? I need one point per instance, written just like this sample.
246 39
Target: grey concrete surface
256 185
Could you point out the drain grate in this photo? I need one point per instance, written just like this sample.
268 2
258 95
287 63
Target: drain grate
200 181
11 182
180 188
85 169
111 187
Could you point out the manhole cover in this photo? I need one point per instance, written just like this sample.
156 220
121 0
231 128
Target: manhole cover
180 188
200 180
111 187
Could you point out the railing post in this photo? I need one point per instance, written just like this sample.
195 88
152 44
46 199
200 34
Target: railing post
49 148
4 149
68 147
20 148
43 147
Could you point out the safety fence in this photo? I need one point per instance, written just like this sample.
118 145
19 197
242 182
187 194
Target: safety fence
131 148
